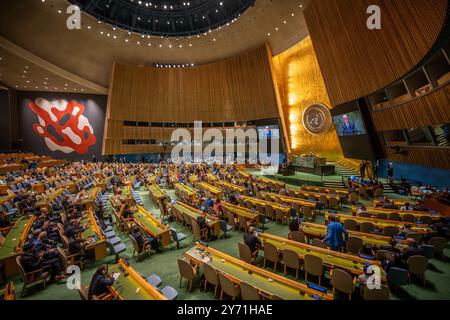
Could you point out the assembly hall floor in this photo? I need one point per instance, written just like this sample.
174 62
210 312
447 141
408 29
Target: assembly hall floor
165 266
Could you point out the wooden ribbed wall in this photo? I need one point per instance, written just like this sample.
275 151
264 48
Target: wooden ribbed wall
356 61
237 89
432 109
430 157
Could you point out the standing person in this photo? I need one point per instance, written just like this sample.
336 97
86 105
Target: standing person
362 169
94 158
336 234
376 165
390 172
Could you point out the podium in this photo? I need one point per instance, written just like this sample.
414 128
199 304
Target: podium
312 164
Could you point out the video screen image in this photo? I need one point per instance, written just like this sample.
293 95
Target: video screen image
268 132
349 124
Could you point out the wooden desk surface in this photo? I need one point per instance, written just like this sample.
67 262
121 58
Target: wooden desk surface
181 187
264 202
241 211
320 231
212 222
417 214
239 271
16 237
332 259
156 191
291 200
152 225
328 190
126 286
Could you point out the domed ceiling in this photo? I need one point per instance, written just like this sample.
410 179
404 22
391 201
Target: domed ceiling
170 18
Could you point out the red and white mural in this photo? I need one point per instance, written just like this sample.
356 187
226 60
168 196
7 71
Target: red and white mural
63 125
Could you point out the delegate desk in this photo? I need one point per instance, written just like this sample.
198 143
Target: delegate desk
380 223
152 226
312 230
268 284
182 190
326 190
13 245
95 240
130 285
248 214
270 182
212 222
231 187
262 202
90 198
290 200
209 189
46 203
156 193
417 214
331 259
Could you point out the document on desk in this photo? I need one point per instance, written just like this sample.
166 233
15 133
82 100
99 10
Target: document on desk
116 276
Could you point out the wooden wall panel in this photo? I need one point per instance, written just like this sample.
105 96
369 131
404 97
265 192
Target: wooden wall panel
356 61
432 109
431 157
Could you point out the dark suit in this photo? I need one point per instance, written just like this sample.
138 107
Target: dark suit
251 241
348 129
99 285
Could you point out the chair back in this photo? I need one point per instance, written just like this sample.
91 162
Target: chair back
383 255
377 294
390 231
270 252
394 216
291 193
334 202
353 197
186 270
260 208
416 236
245 253
22 270
228 286
324 200
269 211
354 245
408 217
298 236
319 243
249 292
134 243
313 265
382 216
307 212
210 274
350 224
366 227
279 214
174 235
291 259
63 255
439 243
342 281
417 265
379 192
426 219
196 230
242 222
397 276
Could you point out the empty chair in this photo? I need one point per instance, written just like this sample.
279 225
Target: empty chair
270 254
394 216
350 225
154 280
417 266
397 277
427 251
228 286
139 253
187 271
367 227
334 203
280 216
343 282
225 227
390 231
116 249
243 223
231 219
249 292
298 236
307 213
319 243
416 236
245 253
382 216
169 292
269 212
364 214
199 234
211 277
439 244
408 217
260 208
323 199
177 236
313 265
354 245
426 219
291 260
376 294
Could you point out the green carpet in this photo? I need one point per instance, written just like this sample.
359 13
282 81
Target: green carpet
164 265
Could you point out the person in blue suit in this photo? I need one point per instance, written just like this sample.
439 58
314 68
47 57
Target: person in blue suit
347 128
336 234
